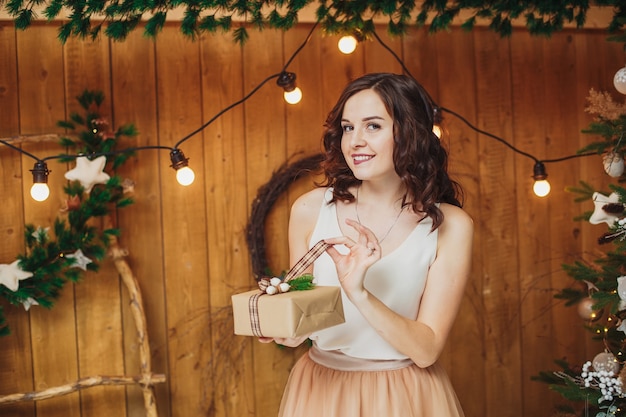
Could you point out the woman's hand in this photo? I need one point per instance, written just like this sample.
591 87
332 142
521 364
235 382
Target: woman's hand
285 341
351 267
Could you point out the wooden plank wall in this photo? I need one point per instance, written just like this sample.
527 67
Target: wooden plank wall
187 245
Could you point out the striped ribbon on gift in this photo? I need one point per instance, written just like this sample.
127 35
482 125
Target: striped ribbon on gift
295 271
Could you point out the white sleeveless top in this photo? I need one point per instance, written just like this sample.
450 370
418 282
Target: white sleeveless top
397 279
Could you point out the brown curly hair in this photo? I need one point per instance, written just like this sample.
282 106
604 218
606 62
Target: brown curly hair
420 159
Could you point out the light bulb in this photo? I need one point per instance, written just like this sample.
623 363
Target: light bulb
541 188
619 80
347 44
437 131
294 96
185 176
287 81
39 191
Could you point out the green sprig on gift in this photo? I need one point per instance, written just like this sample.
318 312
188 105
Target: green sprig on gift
303 282
277 285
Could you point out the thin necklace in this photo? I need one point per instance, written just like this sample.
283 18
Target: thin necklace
356 208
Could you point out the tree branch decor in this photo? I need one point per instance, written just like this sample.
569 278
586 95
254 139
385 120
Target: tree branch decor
117 18
266 197
74 245
51 261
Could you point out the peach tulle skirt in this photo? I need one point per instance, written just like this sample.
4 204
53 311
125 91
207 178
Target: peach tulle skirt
361 388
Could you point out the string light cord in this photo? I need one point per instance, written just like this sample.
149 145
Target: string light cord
513 148
565 158
109 153
20 150
302 45
464 120
74 156
251 93
221 112
175 152
491 135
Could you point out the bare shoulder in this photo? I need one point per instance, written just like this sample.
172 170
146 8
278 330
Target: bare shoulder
308 203
304 213
455 220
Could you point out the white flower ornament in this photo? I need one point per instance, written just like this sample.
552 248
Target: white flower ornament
12 274
89 172
599 215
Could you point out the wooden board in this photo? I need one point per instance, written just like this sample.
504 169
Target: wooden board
457 92
133 95
265 152
16 367
229 376
529 127
42 104
98 299
185 252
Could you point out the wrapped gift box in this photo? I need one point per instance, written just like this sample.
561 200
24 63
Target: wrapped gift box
290 314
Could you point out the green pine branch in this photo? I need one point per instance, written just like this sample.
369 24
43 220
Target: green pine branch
117 19
47 249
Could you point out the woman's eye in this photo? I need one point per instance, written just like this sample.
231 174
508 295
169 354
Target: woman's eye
347 128
373 126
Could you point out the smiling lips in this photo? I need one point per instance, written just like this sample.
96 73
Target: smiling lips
361 158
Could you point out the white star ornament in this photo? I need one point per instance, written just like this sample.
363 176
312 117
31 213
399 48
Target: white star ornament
599 215
29 302
11 275
89 172
80 260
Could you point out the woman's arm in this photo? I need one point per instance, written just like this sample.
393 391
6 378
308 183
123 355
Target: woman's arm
304 213
422 339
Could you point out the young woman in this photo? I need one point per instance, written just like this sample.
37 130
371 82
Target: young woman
401 254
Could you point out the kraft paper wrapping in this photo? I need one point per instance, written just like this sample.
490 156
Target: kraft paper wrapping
290 314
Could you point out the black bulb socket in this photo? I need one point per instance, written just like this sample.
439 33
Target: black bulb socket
40 172
287 81
539 171
178 159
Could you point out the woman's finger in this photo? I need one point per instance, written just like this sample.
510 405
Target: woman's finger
363 231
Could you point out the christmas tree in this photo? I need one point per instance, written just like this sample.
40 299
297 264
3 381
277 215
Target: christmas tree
600 294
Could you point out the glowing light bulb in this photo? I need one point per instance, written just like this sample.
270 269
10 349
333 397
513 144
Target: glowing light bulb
39 191
185 176
541 188
437 131
294 96
619 80
347 44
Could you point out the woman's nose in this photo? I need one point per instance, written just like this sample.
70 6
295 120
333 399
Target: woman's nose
357 139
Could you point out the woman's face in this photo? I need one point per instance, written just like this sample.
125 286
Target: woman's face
367 141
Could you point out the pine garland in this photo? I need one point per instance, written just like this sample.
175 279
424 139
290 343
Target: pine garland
116 19
51 255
